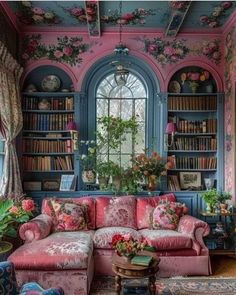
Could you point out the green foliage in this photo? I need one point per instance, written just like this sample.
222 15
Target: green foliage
210 196
223 196
104 169
11 215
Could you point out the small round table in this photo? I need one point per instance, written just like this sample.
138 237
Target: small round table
124 269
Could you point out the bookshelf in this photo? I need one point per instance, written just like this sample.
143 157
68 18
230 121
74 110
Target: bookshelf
197 150
47 149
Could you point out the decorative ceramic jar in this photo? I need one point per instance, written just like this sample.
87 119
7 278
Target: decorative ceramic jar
44 104
89 176
152 182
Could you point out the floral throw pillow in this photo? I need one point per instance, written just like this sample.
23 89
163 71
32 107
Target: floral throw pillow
167 214
69 216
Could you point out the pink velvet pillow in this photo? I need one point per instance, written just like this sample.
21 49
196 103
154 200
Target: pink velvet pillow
117 211
88 201
166 215
145 206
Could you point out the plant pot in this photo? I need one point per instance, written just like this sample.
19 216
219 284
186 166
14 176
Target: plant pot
223 208
209 208
5 250
116 181
103 181
152 183
89 176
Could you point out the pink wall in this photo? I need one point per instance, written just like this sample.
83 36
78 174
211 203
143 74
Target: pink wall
230 106
105 45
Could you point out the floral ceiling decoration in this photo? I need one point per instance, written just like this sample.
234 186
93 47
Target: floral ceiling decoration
211 49
93 21
66 49
215 18
166 52
31 15
179 5
138 16
169 52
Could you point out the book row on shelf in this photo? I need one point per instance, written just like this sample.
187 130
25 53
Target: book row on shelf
192 103
173 183
199 143
48 163
203 126
46 122
47 146
62 103
193 162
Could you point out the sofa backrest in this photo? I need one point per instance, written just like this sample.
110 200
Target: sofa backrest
106 211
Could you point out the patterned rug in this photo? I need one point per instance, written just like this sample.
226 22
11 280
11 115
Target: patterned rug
172 286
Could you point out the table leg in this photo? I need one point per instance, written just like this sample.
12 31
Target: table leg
117 284
152 285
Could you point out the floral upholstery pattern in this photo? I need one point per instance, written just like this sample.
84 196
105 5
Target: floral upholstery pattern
8 285
62 250
103 236
166 215
117 211
166 239
52 205
36 229
145 206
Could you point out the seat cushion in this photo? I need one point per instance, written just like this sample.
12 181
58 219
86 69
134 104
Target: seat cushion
103 236
166 239
62 250
116 211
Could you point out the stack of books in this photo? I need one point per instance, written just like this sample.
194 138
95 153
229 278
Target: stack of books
143 260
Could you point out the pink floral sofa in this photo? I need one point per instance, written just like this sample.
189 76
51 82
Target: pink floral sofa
71 239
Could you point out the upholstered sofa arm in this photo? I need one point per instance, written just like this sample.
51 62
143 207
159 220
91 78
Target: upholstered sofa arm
196 229
36 229
189 224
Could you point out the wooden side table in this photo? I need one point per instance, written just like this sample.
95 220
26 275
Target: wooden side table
124 269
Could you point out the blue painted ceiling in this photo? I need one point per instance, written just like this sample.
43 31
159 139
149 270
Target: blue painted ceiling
149 14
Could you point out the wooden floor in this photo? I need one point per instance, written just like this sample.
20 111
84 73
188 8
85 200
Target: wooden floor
223 266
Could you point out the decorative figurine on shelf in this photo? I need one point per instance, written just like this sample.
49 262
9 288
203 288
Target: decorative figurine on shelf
220 234
44 104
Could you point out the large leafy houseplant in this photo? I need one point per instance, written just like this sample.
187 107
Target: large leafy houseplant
12 214
210 197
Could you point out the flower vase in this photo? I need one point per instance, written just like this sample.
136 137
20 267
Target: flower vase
194 86
152 183
89 176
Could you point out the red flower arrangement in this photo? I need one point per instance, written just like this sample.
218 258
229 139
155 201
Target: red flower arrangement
125 245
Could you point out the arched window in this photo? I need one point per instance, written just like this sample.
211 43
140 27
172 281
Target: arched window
125 102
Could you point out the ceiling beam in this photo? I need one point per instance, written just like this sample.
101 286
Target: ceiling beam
93 18
178 13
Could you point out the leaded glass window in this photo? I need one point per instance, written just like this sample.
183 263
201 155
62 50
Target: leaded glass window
124 102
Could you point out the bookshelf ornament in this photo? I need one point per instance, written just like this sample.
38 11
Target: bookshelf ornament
44 104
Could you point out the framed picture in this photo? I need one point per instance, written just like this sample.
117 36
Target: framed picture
190 180
68 183
51 184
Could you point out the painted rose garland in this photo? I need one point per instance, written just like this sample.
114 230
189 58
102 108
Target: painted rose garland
66 49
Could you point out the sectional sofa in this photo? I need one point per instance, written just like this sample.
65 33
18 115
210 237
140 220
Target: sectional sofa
62 251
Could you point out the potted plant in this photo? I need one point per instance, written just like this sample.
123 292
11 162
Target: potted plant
88 152
210 197
11 215
103 170
222 197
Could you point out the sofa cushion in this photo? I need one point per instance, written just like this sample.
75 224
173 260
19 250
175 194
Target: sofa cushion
116 211
166 239
63 250
48 209
145 206
103 236
166 215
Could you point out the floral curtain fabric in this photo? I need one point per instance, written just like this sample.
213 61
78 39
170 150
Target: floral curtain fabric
11 121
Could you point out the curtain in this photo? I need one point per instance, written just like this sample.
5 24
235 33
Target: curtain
11 122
